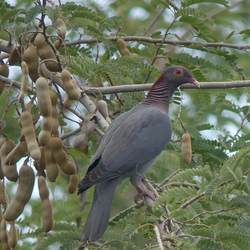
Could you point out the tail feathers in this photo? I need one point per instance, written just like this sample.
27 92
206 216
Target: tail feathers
98 218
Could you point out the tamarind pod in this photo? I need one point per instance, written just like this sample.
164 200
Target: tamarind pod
4 71
1 214
61 27
24 83
30 56
102 106
67 103
41 165
43 189
46 52
66 166
61 157
13 235
133 55
80 140
14 55
86 129
47 215
55 122
17 153
2 193
28 131
9 171
73 182
74 82
53 98
23 193
4 235
121 45
98 81
69 86
58 43
52 169
46 128
43 96
186 148
85 149
4 199
2 141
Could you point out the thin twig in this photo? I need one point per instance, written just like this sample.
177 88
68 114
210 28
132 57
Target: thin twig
191 200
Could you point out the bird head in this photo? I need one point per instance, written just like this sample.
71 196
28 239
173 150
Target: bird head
178 75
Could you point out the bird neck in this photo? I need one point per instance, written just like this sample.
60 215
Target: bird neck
160 94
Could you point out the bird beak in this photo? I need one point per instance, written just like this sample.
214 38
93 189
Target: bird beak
193 81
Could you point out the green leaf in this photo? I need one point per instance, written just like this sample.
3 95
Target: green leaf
191 2
230 35
33 12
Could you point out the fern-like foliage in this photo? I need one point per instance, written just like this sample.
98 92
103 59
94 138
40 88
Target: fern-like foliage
197 61
191 2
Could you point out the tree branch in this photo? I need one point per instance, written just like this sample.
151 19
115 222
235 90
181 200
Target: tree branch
145 87
4 45
156 41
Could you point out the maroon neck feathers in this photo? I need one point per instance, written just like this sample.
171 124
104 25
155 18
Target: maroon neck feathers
160 93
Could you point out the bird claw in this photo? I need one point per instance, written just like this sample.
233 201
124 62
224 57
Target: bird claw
143 192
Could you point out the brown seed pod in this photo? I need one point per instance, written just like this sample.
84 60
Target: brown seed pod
30 56
67 103
60 156
43 96
87 128
25 80
9 171
102 106
60 27
186 148
121 45
46 52
46 128
58 43
3 196
47 209
55 121
69 86
4 236
133 55
17 153
47 215
41 165
52 168
85 149
13 235
28 131
15 55
23 193
4 71
98 81
74 180
43 189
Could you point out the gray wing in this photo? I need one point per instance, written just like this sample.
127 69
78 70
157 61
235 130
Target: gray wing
135 138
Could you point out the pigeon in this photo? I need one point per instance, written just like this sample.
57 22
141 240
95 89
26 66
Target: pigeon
128 149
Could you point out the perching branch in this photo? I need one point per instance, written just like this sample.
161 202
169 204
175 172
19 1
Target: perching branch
145 87
159 41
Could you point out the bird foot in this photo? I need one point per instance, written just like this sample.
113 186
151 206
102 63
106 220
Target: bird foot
143 191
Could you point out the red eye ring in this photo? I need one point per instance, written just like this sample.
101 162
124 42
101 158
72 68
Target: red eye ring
178 72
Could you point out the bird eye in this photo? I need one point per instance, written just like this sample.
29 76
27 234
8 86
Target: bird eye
178 72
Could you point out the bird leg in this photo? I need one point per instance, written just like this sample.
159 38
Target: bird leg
143 191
